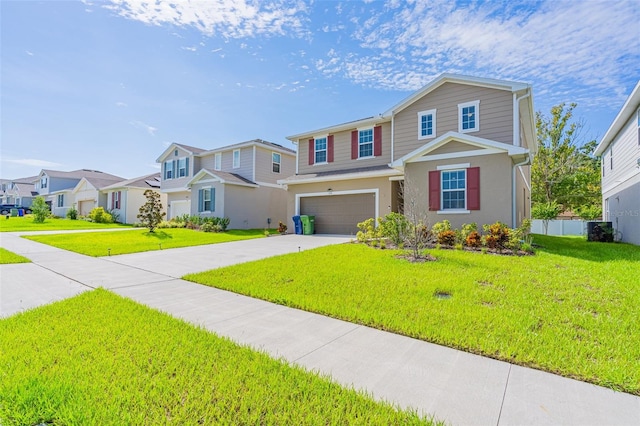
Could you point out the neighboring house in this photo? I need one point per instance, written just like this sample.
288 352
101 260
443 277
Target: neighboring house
19 191
458 149
126 197
620 158
237 181
63 190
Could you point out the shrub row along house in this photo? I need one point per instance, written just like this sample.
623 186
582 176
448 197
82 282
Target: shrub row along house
458 149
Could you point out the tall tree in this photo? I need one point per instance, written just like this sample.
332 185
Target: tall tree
564 170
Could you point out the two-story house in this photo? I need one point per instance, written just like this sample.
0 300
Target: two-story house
457 149
19 191
62 190
237 181
619 150
125 198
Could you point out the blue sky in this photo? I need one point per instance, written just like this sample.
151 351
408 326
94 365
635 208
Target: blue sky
108 85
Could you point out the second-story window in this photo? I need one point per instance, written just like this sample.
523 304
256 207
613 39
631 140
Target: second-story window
275 162
365 143
43 182
168 170
218 161
236 158
183 166
320 150
427 124
468 117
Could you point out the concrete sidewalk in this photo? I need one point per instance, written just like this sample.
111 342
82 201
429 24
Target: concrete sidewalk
454 386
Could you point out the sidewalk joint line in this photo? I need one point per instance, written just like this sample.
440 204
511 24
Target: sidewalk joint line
357 326
504 395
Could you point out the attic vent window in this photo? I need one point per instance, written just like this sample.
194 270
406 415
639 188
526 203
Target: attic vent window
175 152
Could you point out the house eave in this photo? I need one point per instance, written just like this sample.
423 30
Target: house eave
628 109
343 176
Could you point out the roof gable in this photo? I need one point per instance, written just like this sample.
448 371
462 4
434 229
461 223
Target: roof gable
510 86
190 150
477 146
221 177
628 109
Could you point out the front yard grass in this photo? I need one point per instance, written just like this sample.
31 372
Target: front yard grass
139 240
99 358
572 309
26 223
7 257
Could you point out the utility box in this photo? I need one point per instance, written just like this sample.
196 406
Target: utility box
600 231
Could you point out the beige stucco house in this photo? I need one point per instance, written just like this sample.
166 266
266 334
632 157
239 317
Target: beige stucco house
236 181
619 150
125 198
457 149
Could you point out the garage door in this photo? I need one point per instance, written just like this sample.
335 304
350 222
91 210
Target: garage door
339 214
85 207
179 208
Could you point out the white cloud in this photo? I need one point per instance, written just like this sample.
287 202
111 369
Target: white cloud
121 104
190 48
32 162
144 126
578 46
229 18
28 53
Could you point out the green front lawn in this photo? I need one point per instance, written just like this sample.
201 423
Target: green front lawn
26 223
99 359
571 309
7 257
139 240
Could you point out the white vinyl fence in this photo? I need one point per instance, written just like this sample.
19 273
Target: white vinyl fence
560 227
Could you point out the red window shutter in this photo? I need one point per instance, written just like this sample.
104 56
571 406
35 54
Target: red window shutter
354 145
473 188
312 151
434 190
330 149
377 141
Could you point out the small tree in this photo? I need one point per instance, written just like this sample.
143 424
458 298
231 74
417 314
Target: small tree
151 214
39 209
546 212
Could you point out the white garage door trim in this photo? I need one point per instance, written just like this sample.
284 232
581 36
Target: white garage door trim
373 191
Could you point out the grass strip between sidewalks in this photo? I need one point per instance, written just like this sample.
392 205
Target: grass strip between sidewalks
99 358
26 223
139 240
571 309
7 257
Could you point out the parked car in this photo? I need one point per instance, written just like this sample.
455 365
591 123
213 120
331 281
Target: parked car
6 208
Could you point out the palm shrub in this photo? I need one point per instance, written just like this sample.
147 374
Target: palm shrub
39 209
72 213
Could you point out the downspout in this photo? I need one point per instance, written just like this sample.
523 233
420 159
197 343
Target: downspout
254 164
516 142
513 189
393 116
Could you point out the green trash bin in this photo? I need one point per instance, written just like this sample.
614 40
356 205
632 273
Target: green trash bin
304 219
14 212
308 224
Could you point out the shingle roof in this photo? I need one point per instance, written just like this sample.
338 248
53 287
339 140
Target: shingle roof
384 169
145 182
253 142
79 174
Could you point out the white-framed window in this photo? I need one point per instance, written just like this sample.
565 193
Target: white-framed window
43 182
365 143
320 150
218 161
275 162
236 158
183 166
469 117
168 169
611 158
60 200
453 189
116 200
427 124
206 200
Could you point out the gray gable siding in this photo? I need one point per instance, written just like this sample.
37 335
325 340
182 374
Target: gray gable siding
264 166
495 115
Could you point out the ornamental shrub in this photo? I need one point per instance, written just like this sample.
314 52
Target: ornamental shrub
99 215
39 209
72 213
447 238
